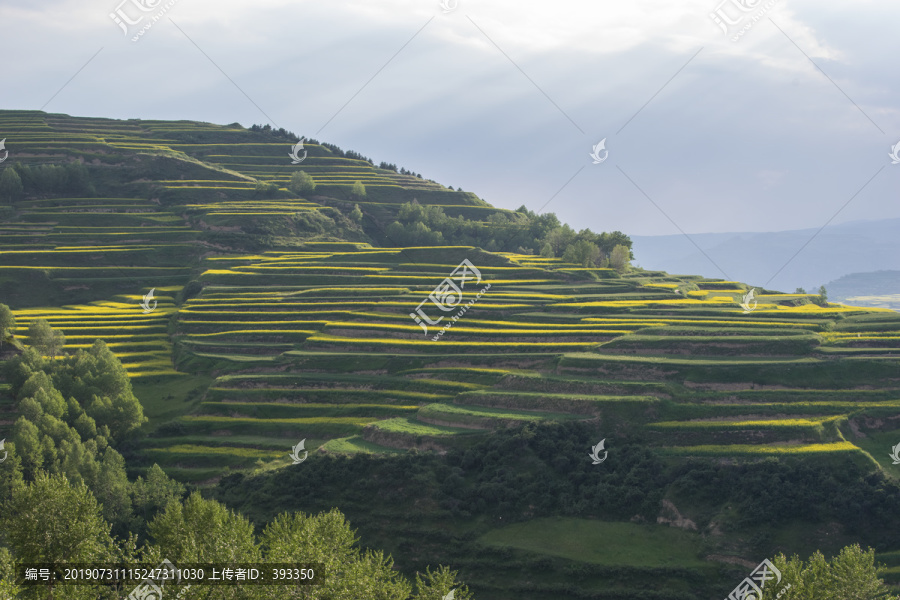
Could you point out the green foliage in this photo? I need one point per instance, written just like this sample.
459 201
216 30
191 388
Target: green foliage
45 339
435 585
327 539
620 257
11 188
8 587
818 493
547 251
358 190
521 231
97 380
266 189
203 531
356 214
151 495
7 323
71 437
301 183
483 479
191 290
72 179
51 520
849 575
584 253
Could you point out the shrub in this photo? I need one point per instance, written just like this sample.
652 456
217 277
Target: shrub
302 183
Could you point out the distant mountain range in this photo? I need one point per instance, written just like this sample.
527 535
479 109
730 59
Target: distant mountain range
786 260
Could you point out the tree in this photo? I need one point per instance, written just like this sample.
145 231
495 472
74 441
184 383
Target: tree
7 323
11 477
97 379
560 238
302 183
823 294
799 290
608 241
438 583
112 488
8 587
619 257
201 530
10 186
266 188
53 521
45 339
358 190
356 214
547 251
28 446
154 493
850 574
582 252
327 539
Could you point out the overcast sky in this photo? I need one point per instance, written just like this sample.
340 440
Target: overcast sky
506 98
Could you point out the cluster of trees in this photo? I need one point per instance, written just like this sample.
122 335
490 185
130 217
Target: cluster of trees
280 133
53 520
7 324
823 294
850 574
19 179
283 134
65 497
402 171
522 231
776 491
71 414
301 183
543 471
516 474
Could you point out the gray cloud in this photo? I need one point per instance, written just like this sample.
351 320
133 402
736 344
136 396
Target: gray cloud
749 136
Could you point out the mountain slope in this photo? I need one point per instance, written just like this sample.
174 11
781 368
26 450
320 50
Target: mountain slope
279 317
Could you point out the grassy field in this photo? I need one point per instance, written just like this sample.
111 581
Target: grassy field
602 543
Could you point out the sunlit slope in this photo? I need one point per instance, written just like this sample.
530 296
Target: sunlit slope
164 193
320 345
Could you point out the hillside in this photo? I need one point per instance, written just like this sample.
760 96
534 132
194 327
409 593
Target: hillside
282 317
878 288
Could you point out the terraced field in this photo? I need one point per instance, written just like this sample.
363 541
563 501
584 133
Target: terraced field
320 345
271 328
